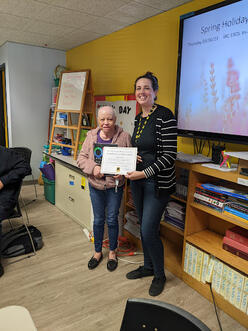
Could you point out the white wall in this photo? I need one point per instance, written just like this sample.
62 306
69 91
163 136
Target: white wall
29 80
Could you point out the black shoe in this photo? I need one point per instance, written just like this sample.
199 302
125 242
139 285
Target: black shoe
112 264
93 262
157 286
1 270
139 273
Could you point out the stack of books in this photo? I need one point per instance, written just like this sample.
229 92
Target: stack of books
182 184
236 207
175 214
236 242
226 281
132 223
209 197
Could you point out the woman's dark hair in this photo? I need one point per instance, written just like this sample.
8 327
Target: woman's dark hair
153 79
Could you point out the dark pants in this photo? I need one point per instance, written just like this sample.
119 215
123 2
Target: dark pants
150 209
106 205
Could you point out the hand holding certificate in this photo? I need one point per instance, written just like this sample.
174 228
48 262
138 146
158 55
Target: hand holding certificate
118 160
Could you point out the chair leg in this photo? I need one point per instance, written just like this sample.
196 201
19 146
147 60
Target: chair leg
35 190
24 207
26 225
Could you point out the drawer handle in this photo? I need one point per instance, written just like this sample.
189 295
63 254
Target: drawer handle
70 198
72 177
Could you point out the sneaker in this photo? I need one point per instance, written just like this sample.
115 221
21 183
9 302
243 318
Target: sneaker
139 273
93 262
1 270
157 286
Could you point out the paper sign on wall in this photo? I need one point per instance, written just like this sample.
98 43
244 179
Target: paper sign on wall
126 108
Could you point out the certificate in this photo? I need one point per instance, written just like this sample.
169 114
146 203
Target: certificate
118 160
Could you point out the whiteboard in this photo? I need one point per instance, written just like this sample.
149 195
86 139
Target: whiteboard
126 108
71 90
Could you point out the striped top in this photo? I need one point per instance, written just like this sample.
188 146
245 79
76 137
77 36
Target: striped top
163 169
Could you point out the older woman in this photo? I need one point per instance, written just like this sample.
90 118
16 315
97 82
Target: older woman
105 196
155 136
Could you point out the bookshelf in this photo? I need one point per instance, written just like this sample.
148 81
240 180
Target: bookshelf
204 228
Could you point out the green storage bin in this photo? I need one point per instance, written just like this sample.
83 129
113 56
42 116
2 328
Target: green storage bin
49 190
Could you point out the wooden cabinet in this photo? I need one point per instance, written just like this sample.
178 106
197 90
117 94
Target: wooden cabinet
204 228
72 195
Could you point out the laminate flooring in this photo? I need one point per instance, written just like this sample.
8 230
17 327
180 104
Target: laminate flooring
63 295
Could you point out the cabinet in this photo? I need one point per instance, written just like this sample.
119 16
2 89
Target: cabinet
204 228
72 194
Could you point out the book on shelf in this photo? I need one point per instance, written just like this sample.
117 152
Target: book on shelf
219 196
204 203
210 269
226 191
235 217
205 262
174 221
235 247
210 200
236 212
176 210
244 302
238 234
238 208
186 256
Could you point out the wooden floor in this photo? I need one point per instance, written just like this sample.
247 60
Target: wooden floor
62 294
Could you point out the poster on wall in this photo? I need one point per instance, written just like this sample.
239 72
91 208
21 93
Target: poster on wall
126 108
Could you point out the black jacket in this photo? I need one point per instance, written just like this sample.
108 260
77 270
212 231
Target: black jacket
13 168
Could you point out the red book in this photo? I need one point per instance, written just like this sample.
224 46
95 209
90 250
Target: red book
238 234
235 247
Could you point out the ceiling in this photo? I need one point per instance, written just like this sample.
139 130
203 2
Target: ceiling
65 24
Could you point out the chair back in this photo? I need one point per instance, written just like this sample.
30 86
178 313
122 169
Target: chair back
25 152
147 315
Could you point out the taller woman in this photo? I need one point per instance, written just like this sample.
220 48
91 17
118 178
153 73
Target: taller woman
155 136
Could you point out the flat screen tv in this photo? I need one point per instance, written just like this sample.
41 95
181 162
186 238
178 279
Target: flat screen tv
212 79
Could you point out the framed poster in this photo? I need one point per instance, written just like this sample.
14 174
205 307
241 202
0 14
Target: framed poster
126 108
72 88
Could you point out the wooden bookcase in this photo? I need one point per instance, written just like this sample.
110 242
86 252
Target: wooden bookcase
204 228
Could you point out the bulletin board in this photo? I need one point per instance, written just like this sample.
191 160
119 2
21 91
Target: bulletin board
126 108
71 90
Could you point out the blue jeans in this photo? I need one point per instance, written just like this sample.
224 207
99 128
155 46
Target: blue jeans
106 205
150 209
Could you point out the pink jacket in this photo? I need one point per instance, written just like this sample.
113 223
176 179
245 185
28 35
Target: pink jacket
86 161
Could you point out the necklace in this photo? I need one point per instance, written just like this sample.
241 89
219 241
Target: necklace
140 129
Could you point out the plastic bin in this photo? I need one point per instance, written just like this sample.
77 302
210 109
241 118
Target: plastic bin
49 190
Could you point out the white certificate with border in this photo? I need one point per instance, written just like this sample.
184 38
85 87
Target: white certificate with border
118 160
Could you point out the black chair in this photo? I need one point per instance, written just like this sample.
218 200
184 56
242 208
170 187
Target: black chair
16 213
26 153
147 315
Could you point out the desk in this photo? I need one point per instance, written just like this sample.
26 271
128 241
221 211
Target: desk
71 190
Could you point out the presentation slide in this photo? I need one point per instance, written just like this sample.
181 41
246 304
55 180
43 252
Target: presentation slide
213 94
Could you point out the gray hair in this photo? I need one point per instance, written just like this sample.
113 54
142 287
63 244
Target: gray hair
102 108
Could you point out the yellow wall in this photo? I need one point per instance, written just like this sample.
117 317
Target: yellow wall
118 59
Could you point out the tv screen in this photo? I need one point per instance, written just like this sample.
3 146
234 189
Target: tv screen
212 81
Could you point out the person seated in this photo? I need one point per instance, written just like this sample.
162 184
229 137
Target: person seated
13 168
